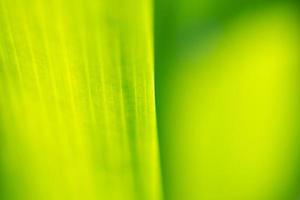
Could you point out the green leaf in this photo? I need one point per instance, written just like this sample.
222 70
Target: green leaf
77 100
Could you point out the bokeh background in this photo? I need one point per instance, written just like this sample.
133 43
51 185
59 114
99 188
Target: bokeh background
227 89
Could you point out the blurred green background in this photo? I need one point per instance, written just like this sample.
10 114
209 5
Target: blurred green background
227 96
